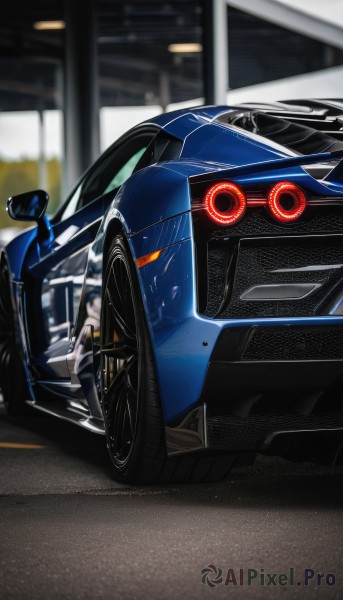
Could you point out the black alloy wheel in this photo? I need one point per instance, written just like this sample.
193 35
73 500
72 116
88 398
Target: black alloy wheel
129 390
13 383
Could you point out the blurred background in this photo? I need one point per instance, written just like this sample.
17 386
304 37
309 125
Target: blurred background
75 75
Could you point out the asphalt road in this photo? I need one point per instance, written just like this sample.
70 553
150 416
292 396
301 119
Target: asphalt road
68 530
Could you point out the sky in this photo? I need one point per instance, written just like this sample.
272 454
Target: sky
19 131
19 134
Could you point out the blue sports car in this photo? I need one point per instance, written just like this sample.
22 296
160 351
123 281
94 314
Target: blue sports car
186 301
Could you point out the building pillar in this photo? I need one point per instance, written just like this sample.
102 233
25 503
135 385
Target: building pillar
81 90
42 166
216 51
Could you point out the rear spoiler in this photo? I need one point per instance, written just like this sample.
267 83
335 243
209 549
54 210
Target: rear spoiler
272 165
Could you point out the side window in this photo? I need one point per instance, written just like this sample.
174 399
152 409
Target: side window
72 204
124 173
109 174
163 147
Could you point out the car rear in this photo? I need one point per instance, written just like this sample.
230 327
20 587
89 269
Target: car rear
269 261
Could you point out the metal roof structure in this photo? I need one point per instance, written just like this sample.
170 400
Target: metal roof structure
122 56
314 18
132 47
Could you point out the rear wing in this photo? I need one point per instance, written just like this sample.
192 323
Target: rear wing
336 174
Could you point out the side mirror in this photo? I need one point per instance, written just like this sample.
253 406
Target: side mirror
29 206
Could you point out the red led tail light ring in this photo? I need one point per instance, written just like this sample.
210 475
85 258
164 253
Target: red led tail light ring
278 193
236 198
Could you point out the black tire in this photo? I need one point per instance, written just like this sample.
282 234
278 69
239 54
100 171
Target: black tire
130 401
129 390
13 382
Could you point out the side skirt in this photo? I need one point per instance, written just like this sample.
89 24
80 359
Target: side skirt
72 412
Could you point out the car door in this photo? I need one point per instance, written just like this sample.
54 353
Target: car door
56 280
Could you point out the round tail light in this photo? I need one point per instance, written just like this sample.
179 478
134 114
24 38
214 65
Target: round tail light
225 203
286 201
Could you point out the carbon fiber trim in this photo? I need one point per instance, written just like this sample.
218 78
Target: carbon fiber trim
294 343
279 291
230 433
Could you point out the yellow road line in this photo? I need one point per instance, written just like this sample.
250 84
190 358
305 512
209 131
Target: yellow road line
21 446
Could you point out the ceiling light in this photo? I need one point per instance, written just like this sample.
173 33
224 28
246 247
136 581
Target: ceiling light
185 48
49 25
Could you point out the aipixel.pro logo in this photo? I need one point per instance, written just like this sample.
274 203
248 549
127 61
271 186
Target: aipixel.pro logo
213 576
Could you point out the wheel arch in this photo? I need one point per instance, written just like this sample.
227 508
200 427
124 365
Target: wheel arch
16 251
114 227
5 261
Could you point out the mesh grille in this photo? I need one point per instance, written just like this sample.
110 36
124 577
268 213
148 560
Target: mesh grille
294 343
222 278
217 265
231 433
260 262
257 222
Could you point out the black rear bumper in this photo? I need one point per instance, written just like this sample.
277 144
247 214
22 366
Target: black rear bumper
289 369
252 403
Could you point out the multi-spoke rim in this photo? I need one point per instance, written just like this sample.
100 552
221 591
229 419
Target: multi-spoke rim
7 333
120 370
